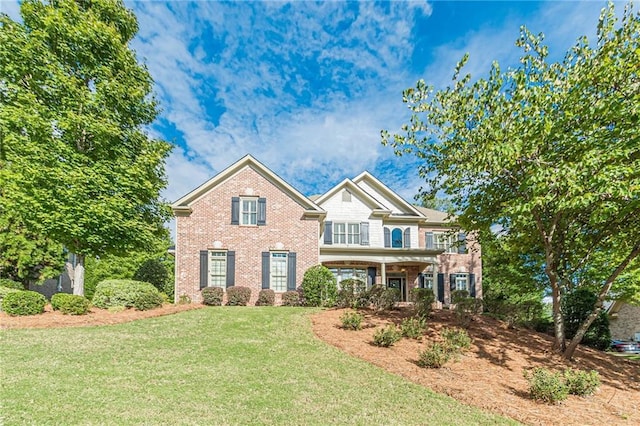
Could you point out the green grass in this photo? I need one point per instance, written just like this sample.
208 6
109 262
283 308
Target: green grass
220 365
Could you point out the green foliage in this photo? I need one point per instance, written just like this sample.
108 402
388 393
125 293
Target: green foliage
238 296
184 299
127 293
319 287
581 383
383 299
350 293
422 299
546 151
466 308
456 340
155 271
577 306
351 320
387 336
413 327
7 283
435 356
4 291
266 297
212 296
290 298
25 302
70 304
546 386
72 86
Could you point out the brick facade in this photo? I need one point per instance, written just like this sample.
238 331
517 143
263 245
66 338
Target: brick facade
624 324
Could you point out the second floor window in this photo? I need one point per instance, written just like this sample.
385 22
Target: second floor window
346 233
249 211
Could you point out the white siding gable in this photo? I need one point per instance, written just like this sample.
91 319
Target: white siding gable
394 207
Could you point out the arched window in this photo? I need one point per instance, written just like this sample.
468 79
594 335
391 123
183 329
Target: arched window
396 238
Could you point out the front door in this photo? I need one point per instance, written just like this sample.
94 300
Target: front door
399 283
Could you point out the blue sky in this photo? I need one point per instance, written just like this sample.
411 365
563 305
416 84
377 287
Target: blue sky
306 87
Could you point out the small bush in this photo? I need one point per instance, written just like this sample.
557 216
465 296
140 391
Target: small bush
266 297
70 304
465 309
435 356
422 299
456 339
127 293
212 296
383 299
7 283
319 287
413 328
351 320
24 302
581 383
546 386
238 296
348 295
459 295
290 298
4 291
386 336
184 299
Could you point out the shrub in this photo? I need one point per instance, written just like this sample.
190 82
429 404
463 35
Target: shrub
238 296
127 293
212 296
459 295
546 386
184 299
7 283
422 299
153 271
434 356
70 304
383 299
24 302
581 383
413 328
290 298
266 297
577 306
4 291
386 336
352 320
319 287
349 291
456 339
465 309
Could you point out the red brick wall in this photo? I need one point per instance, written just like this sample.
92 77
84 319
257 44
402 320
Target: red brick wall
210 221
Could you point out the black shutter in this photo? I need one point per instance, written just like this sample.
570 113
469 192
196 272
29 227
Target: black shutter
262 211
265 269
462 243
231 268
291 272
235 210
407 238
371 276
364 233
452 281
428 238
387 237
441 288
204 268
328 232
421 280
472 285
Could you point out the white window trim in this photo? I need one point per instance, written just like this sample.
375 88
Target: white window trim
253 213
220 256
459 279
278 281
344 236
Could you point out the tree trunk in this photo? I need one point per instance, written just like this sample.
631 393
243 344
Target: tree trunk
75 270
559 343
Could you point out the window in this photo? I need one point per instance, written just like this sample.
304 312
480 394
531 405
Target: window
428 238
445 241
428 280
353 237
249 211
217 269
346 233
462 281
342 274
396 238
339 233
278 272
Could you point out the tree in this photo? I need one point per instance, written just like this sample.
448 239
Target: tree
75 160
549 152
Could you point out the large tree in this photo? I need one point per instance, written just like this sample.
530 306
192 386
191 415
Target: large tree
548 152
75 158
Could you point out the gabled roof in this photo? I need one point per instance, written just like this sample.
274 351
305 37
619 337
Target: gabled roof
184 203
364 196
435 216
387 192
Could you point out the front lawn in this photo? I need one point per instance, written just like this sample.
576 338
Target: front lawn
220 365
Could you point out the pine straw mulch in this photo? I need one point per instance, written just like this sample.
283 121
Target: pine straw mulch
490 375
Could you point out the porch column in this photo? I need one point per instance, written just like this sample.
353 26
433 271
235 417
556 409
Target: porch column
384 274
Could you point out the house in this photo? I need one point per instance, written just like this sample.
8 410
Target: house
246 226
624 321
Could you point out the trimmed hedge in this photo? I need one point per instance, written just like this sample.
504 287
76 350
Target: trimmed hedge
127 293
212 296
266 297
238 296
70 304
4 291
319 287
25 302
290 298
7 283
